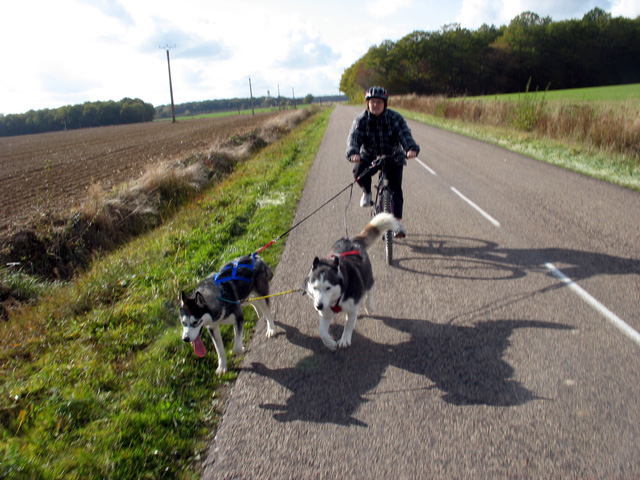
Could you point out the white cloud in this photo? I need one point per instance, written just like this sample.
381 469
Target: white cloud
473 13
625 8
476 12
114 9
110 49
386 8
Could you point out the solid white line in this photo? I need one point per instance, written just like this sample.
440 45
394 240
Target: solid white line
482 212
612 317
425 166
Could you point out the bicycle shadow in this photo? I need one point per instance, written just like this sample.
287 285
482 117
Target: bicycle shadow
498 263
465 363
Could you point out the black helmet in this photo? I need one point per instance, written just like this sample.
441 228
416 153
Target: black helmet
377 92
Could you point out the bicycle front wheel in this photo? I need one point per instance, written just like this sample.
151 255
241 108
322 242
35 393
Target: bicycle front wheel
388 235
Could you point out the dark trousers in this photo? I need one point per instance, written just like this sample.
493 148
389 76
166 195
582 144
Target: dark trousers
394 174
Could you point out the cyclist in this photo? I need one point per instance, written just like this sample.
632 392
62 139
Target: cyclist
380 131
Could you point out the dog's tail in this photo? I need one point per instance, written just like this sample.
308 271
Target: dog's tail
376 228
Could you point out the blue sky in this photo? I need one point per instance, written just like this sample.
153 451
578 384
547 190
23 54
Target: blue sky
70 51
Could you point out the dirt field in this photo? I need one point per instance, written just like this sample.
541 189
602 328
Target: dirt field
51 172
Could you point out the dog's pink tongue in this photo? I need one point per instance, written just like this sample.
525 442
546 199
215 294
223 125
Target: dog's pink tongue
199 347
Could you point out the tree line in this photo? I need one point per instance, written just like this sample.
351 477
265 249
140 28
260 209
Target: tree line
597 50
89 114
221 105
238 104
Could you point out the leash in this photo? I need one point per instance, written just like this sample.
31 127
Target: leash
261 249
350 186
253 299
306 218
293 290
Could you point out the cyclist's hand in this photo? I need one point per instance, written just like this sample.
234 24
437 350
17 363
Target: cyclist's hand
412 154
355 158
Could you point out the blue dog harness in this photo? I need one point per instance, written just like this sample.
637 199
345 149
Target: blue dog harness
234 271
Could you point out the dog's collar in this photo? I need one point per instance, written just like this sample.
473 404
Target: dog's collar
337 308
234 302
345 254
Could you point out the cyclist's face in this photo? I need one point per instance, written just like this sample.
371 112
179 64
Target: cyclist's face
376 106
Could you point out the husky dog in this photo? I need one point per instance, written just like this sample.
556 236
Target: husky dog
340 281
218 300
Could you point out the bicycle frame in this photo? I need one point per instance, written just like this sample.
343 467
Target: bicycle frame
384 203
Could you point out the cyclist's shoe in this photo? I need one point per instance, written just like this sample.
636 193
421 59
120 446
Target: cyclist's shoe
400 231
365 201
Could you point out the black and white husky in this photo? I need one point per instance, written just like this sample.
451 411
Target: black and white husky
218 300
342 280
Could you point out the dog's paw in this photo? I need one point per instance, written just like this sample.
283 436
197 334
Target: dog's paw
368 305
239 350
221 371
271 332
330 343
343 343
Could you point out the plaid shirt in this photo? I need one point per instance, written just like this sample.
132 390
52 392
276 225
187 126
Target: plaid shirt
387 134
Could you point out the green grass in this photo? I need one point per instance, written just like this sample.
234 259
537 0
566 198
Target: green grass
96 381
597 135
612 168
616 93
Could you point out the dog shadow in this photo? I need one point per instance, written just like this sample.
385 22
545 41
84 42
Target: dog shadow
465 363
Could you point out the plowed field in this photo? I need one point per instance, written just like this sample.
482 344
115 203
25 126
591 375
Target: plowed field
52 172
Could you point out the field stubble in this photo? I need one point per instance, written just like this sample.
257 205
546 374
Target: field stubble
52 173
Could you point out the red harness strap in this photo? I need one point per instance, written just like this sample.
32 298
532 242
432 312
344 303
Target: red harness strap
345 254
336 308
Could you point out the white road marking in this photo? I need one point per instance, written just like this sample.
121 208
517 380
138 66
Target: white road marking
482 212
425 166
612 317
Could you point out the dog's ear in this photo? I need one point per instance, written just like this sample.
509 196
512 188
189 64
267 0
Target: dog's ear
184 298
336 261
315 262
200 301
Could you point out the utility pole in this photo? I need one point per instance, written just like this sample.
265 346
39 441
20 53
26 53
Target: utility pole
278 96
173 108
251 95
294 97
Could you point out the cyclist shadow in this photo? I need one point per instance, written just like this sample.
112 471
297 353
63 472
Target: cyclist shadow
464 363
489 260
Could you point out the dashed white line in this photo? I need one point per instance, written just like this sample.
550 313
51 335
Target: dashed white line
612 317
482 212
432 172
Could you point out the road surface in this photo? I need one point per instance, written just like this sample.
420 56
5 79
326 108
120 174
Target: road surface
504 342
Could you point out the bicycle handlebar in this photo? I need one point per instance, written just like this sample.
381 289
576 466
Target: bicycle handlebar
382 158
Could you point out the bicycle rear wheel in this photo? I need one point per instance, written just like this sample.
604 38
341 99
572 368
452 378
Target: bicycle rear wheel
388 235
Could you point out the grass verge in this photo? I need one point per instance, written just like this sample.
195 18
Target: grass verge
96 382
565 150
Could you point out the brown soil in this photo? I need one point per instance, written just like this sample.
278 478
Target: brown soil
50 173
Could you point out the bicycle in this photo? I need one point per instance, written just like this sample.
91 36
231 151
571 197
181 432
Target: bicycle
384 203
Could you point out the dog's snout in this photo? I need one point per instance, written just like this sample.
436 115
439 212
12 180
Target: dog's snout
185 339
319 306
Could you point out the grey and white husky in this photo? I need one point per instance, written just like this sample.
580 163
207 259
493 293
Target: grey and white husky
342 280
218 300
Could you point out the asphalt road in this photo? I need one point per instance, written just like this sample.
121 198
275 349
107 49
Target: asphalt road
504 342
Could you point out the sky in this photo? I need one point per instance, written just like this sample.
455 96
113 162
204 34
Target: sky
65 52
